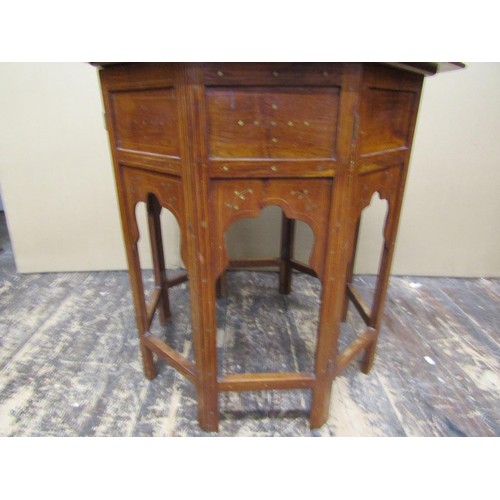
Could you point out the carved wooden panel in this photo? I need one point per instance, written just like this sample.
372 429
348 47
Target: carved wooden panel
306 200
139 184
386 123
146 120
272 122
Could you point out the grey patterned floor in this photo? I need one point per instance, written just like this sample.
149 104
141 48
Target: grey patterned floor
69 360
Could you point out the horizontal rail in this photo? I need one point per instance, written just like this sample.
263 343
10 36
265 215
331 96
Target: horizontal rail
176 281
354 348
151 306
298 266
359 303
174 359
254 263
265 381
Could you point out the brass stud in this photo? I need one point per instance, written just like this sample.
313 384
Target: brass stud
225 168
274 168
306 123
274 140
241 123
290 123
274 106
220 73
273 123
325 73
275 73
256 123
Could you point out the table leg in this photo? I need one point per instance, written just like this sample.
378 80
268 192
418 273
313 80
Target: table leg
287 238
350 268
154 210
382 284
131 236
340 234
328 333
203 305
222 285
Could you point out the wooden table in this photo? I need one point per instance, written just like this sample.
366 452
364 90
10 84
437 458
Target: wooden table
214 143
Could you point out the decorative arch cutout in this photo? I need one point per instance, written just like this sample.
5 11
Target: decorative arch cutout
157 192
377 203
170 234
305 200
253 335
166 318
255 237
371 235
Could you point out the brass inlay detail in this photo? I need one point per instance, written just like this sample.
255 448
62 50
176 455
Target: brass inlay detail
225 168
274 168
300 194
238 195
220 73
241 123
275 73
274 106
274 140
290 123
241 194
304 195
306 123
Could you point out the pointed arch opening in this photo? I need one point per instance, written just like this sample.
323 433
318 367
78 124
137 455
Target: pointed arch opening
162 268
261 328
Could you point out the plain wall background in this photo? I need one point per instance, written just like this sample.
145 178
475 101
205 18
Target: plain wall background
58 191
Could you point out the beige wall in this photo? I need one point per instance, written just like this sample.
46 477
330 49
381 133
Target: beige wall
58 193
56 182
450 222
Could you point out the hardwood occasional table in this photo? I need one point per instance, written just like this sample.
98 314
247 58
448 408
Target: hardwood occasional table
216 142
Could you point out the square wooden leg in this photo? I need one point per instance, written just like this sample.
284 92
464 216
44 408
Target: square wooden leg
350 268
154 210
204 336
287 239
221 290
131 236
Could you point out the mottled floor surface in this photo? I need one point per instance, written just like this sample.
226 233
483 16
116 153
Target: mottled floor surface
69 359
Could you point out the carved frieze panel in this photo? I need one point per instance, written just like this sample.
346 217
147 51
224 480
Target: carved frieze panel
305 199
385 182
140 184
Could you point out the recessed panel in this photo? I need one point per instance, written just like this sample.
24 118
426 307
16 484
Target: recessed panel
146 120
260 122
386 122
